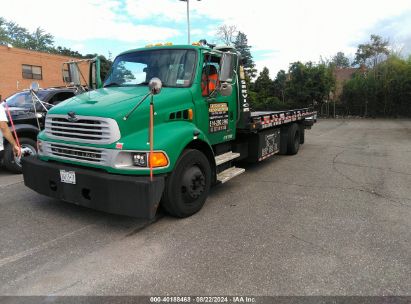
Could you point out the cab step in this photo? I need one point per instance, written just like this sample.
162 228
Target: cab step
228 174
226 157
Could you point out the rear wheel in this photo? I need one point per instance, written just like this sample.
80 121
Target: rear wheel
293 142
188 186
13 163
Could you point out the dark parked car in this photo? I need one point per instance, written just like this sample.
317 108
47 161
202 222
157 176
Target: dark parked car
27 125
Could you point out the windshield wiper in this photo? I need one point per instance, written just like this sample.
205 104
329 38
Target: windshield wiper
112 84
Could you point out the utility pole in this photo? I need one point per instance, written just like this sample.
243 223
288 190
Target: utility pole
188 19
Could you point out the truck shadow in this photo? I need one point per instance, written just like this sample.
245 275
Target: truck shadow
86 216
125 224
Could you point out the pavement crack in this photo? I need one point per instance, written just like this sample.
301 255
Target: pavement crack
316 246
338 171
392 200
306 186
371 167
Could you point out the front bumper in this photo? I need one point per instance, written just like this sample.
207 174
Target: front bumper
134 196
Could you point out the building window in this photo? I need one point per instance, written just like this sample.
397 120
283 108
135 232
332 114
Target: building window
32 72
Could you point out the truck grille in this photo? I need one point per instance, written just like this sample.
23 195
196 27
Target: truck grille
85 129
76 153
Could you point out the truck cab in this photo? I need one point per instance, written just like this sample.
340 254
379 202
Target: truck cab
168 123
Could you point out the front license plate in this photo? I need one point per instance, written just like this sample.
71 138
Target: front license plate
68 177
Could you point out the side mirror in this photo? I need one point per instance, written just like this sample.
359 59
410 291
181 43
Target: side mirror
34 86
94 74
155 85
225 89
227 63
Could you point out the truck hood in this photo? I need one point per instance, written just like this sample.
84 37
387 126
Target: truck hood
116 102
105 102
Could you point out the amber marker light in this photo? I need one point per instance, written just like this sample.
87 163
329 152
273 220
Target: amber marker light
159 159
190 114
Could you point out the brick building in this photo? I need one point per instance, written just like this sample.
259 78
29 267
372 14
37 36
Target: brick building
20 67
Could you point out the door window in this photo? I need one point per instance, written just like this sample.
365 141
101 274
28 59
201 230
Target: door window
209 76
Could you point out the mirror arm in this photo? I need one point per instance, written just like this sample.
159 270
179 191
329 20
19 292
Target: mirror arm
136 106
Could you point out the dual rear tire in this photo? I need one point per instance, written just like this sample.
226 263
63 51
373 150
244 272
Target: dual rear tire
291 137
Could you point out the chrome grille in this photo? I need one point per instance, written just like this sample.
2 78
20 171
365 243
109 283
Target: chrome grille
76 153
86 129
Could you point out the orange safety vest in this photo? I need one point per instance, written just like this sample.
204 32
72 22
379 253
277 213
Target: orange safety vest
212 83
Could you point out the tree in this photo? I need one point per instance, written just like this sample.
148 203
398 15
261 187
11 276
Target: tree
263 87
227 33
279 85
241 44
386 93
340 60
309 84
3 31
65 52
14 34
372 53
39 40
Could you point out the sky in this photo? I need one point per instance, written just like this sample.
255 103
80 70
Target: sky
279 32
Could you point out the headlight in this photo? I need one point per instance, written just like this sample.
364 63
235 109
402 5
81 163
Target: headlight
140 159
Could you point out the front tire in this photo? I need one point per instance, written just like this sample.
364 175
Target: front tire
11 162
188 185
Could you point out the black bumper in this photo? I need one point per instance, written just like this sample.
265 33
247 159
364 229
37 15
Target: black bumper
134 196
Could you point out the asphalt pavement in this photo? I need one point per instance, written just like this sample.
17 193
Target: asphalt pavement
335 219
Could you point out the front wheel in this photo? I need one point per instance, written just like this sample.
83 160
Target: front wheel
13 163
188 186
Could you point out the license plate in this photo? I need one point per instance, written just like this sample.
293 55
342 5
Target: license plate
68 177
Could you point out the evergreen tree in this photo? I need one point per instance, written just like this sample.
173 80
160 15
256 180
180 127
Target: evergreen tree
263 87
241 44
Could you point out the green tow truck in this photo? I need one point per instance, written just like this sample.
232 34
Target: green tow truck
158 133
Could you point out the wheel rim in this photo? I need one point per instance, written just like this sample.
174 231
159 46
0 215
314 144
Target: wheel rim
193 184
26 150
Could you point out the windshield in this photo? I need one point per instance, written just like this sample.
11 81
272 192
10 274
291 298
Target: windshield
23 99
175 68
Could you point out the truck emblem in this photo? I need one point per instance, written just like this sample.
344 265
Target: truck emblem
72 117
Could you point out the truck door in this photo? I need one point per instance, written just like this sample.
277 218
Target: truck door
222 110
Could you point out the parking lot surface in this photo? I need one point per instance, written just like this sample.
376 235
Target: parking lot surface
335 219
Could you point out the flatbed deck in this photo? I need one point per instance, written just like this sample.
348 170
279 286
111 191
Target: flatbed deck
267 119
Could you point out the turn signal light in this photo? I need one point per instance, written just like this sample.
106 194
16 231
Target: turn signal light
158 159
